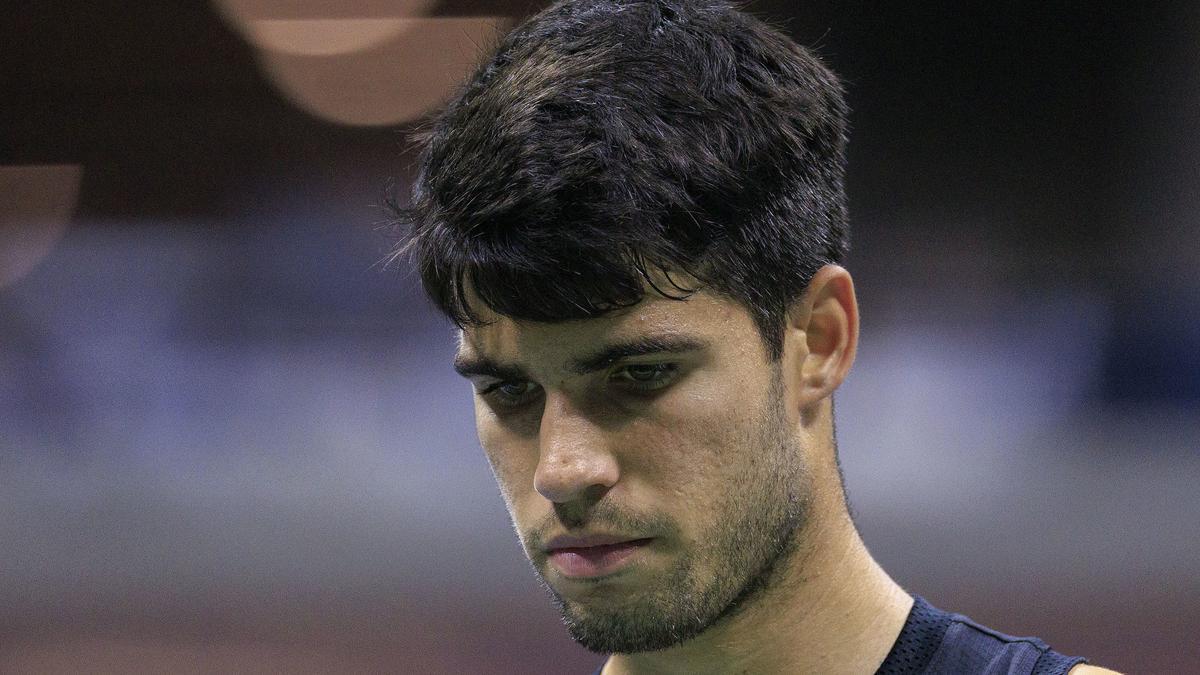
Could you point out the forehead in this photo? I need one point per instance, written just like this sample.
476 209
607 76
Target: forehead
702 316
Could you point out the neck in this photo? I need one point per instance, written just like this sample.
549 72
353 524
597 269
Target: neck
832 610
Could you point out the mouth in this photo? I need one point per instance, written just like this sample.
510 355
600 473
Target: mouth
592 557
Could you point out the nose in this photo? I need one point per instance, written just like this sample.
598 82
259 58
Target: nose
574 460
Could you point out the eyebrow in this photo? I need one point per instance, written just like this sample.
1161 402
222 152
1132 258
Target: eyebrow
645 346
469 366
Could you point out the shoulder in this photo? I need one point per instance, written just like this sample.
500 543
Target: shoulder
970 647
1088 669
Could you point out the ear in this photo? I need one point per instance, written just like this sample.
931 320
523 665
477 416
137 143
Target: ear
820 337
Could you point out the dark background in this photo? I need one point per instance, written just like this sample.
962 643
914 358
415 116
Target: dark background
230 438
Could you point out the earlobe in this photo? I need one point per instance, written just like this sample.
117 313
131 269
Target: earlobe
823 325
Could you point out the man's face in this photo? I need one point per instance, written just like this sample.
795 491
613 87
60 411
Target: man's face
647 462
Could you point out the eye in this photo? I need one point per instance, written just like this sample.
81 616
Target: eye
647 376
509 393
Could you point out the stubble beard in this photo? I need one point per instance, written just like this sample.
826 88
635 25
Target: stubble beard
754 534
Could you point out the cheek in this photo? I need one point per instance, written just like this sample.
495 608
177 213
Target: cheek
512 458
696 445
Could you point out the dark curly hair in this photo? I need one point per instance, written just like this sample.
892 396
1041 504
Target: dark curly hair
609 144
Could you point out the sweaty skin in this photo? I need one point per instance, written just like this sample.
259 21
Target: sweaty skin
690 447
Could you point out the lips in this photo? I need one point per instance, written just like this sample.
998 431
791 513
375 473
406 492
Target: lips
592 556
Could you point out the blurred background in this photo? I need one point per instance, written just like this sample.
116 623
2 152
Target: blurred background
230 438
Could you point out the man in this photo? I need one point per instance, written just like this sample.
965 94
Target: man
635 212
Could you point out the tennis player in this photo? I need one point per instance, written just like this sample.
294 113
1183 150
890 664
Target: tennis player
635 212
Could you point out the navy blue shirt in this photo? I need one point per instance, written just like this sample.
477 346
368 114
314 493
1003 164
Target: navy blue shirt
933 642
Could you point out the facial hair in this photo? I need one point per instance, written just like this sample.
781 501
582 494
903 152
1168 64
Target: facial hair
754 531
